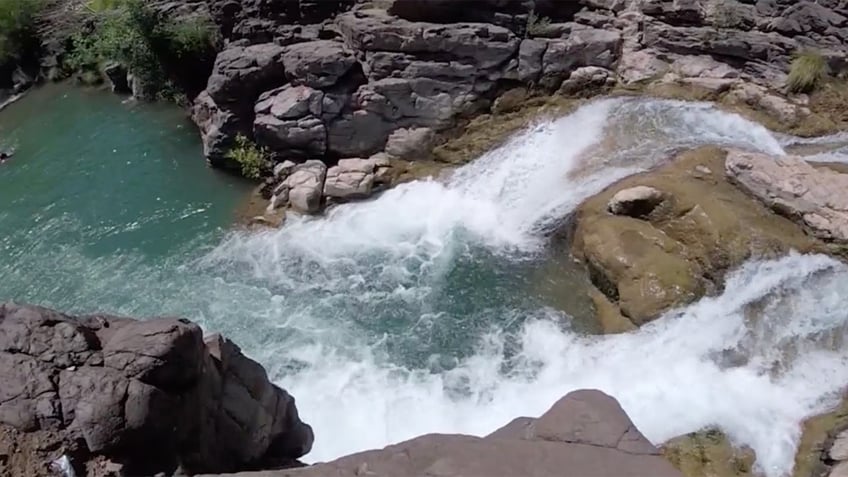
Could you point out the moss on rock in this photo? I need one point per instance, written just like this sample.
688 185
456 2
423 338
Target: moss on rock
708 453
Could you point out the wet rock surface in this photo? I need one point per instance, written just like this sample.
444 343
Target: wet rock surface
139 396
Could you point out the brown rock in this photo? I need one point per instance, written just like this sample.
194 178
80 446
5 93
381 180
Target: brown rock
683 247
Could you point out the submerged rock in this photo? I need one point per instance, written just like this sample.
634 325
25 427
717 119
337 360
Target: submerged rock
146 395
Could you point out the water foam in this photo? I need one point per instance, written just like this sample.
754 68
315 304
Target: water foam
383 320
671 376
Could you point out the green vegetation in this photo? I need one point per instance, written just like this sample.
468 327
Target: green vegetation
808 71
249 156
536 24
17 28
99 6
133 34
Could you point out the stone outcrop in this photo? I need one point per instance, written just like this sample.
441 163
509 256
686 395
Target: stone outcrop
140 397
337 79
815 197
585 434
679 229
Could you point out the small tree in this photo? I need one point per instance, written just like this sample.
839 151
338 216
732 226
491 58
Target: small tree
18 33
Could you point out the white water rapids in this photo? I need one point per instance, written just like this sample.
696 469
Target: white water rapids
384 261
419 311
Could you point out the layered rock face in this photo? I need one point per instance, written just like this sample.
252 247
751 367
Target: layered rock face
340 81
585 434
135 398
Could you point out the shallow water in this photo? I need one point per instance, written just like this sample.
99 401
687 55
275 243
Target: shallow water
430 308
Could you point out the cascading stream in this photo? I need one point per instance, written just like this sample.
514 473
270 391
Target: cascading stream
421 311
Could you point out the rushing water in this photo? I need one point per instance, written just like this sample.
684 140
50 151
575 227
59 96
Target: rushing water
421 310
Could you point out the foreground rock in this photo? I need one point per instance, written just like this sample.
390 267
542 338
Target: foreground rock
585 434
135 398
679 229
816 197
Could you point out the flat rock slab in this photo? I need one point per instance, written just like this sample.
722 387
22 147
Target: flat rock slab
815 197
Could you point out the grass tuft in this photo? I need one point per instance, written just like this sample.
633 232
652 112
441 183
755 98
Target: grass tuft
807 72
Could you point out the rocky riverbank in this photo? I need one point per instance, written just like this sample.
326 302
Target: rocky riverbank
101 395
117 396
390 82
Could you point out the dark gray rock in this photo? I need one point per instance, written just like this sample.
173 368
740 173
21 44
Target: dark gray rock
218 129
807 17
585 46
116 74
241 74
486 46
530 55
147 394
318 64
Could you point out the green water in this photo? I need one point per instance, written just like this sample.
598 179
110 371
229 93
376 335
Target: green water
95 177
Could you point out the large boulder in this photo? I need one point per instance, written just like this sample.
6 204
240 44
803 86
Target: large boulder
485 46
584 434
290 119
350 179
318 64
242 73
585 46
815 197
306 186
218 129
145 396
681 228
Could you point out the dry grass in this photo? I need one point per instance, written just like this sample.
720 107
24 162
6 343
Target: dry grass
807 72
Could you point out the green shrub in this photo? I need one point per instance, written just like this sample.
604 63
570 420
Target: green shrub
194 36
808 71
133 34
249 156
18 33
536 24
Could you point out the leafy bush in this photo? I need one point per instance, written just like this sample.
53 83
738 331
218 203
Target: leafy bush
807 72
193 36
133 34
537 24
249 156
17 28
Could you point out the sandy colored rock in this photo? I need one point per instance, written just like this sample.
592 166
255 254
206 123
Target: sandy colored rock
636 201
816 197
683 247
